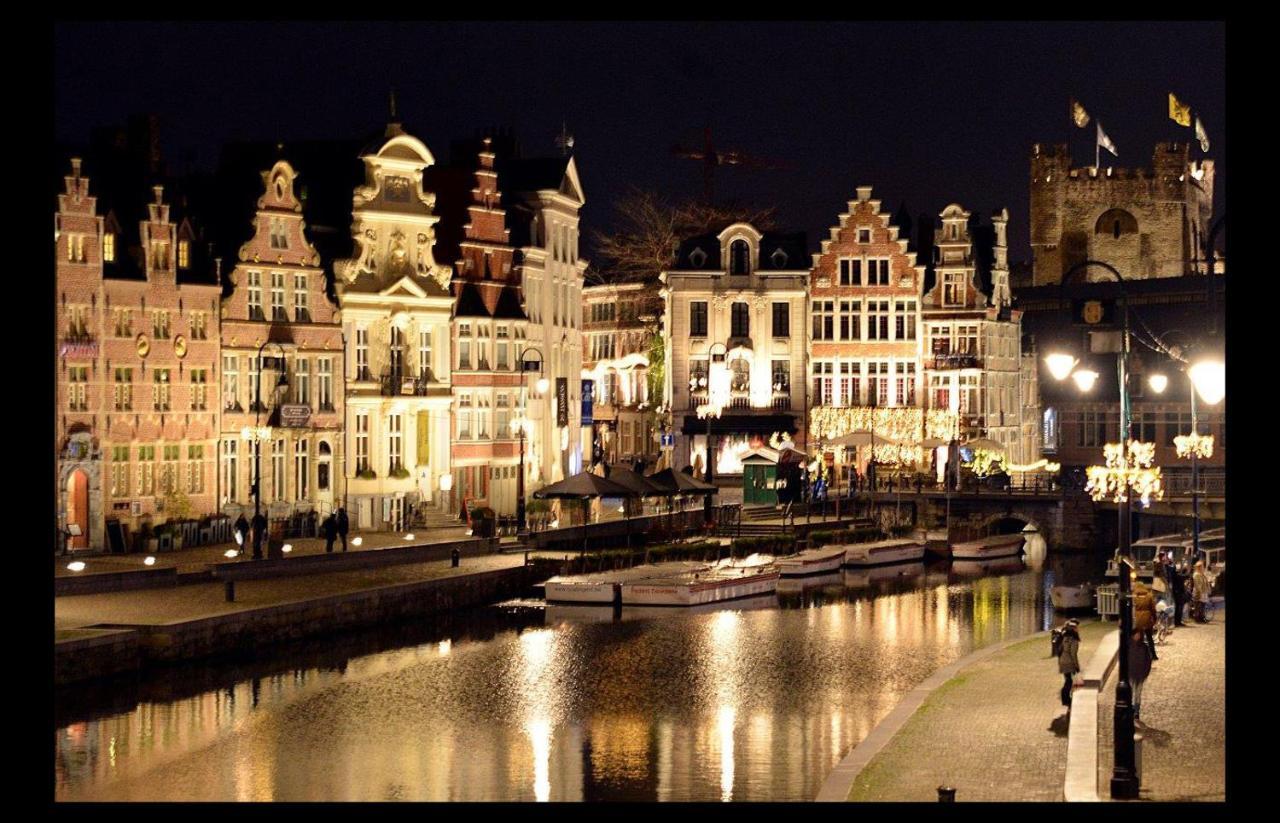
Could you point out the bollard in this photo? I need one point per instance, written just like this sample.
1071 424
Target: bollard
946 794
455 555
231 591
526 558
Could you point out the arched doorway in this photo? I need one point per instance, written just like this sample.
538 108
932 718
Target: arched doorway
78 507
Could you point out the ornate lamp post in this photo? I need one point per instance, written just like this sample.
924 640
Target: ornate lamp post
260 434
521 425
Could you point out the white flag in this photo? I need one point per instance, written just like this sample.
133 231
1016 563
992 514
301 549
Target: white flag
1202 135
1105 142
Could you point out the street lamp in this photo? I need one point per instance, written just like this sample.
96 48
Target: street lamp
1124 775
716 393
260 434
522 424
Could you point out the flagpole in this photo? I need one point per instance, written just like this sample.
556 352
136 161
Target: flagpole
1097 148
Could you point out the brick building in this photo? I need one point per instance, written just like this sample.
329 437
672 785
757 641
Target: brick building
137 362
278 306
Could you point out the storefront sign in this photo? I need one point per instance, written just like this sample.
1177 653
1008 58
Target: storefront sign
562 401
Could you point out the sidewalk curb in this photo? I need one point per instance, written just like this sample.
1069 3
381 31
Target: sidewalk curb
840 781
1081 780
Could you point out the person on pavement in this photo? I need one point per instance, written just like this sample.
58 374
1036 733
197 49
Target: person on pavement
1139 668
1144 614
242 529
1068 659
1178 584
259 526
329 529
343 526
1201 587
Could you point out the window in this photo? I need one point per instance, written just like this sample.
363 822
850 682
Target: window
953 289
740 375
251 383
969 400
740 315
904 320
482 417
966 340
1175 423
255 295
302 381
301 308
1091 428
322 467
184 253
169 470
878 271
160 255
277 470
850 319
119 471
324 387
75 248
698 376
124 389
279 236
362 355
395 443
230 476
277 296
824 319
905 384
823 379
502 415
397 351
850 389
77 389
424 354
108 247
864 235
781 377
1144 426
362 442
877 320
781 319
231 383
199 389
502 349
464 346
160 324
698 318
161 394
199 329
123 321
301 470
146 470
195 469
464 416
739 258
850 271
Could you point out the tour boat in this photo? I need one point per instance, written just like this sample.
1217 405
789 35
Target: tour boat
812 561
598 587
695 588
997 545
1070 598
796 585
898 550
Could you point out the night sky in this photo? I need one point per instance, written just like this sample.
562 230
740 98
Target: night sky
926 113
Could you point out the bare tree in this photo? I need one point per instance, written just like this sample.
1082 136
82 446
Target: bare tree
651 230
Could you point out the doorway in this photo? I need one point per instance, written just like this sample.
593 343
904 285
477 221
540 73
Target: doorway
78 507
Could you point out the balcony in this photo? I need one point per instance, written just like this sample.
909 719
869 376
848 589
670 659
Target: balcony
396 382
960 360
78 345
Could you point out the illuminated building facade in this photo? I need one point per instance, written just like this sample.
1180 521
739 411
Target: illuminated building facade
137 354
735 300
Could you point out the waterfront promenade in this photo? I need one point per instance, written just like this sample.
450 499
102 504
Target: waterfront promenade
996 731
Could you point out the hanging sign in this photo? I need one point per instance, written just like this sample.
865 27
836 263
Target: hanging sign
562 401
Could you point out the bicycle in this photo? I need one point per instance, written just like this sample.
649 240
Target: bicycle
1164 622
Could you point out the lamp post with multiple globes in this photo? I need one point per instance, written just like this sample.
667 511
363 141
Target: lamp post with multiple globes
521 425
257 435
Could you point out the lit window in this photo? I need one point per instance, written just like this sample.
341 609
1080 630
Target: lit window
184 254
109 247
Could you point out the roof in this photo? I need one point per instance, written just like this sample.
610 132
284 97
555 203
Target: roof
470 303
509 307
703 252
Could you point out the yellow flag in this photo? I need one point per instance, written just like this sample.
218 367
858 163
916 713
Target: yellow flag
1078 115
1179 112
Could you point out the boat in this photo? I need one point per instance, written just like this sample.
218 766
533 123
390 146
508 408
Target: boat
696 588
1070 598
898 550
992 565
598 587
996 545
812 561
936 543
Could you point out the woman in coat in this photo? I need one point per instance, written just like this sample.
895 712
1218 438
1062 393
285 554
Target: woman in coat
1144 614
1200 587
1068 659
1139 669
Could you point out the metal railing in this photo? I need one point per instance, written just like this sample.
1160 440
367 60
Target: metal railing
959 360
781 401
402 382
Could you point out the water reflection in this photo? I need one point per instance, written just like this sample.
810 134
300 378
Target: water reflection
750 701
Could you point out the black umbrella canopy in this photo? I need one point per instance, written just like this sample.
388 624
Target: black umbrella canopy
641 486
583 486
673 482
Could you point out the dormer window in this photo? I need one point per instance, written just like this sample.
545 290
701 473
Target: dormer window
109 247
739 258
279 238
184 253
698 258
779 258
864 235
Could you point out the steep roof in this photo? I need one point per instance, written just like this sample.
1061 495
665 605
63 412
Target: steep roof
794 248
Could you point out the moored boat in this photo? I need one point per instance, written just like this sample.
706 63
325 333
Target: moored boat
599 586
812 561
696 588
996 545
1070 598
897 550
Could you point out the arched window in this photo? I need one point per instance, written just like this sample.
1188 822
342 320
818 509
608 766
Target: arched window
1117 223
739 257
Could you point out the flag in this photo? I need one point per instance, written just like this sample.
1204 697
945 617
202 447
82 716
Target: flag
1202 135
1105 142
1179 112
1078 115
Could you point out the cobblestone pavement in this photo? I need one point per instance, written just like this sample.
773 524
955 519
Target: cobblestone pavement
176 603
1183 717
994 732
196 558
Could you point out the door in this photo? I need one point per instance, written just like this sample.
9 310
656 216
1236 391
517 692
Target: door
78 507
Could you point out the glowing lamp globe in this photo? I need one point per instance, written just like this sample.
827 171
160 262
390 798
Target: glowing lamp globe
1210 379
150 561
76 566
543 385
1085 379
356 541
1158 383
1060 365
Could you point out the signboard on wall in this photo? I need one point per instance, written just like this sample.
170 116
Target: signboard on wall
562 401
588 389
294 415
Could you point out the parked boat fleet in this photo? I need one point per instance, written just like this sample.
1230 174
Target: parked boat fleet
692 583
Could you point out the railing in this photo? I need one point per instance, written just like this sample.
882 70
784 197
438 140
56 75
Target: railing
78 345
399 382
1211 485
962 360
739 400
698 399
781 402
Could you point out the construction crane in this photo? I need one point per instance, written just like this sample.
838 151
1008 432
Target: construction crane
710 157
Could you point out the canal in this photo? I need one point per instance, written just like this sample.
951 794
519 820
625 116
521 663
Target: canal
755 700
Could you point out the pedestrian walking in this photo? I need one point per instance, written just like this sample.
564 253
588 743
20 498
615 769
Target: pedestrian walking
1144 614
343 526
1200 588
242 531
1068 658
1139 669
329 529
1178 583
259 526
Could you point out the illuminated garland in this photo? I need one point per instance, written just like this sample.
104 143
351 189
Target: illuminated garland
985 462
905 424
1042 463
1199 445
1120 474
